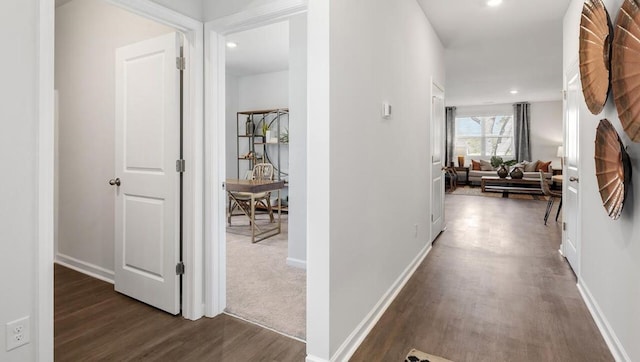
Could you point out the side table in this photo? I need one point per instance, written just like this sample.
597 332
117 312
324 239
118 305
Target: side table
466 171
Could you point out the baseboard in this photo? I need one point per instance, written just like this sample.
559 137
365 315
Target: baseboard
351 344
297 263
85 268
314 359
614 344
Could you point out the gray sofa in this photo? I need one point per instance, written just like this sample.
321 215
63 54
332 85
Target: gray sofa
475 176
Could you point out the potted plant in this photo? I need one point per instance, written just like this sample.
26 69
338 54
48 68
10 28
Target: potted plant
501 165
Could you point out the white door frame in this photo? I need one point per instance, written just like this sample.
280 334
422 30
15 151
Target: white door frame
437 90
215 140
571 70
193 177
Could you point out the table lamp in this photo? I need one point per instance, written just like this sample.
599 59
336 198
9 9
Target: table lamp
561 155
461 151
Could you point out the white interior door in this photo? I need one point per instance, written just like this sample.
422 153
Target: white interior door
437 161
147 147
571 184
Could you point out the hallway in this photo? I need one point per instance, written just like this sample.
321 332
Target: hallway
494 288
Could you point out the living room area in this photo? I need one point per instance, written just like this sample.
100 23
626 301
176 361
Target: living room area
503 150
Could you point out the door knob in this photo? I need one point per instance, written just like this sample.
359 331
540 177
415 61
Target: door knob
574 179
114 182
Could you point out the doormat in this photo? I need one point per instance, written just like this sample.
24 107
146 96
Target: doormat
419 356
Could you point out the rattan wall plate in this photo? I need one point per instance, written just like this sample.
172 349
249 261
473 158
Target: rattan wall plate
613 169
595 47
626 65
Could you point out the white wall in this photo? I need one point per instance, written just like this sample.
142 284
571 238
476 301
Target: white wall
87 34
546 131
254 92
231 93
18 152
610 251
298 140
382 50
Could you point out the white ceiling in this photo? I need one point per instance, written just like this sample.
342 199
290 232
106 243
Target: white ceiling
491 50
260 50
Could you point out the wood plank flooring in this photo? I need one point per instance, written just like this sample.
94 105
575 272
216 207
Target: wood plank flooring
94 323
494 288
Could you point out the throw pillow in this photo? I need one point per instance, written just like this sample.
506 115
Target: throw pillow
531 166
543 166
485 165
475 165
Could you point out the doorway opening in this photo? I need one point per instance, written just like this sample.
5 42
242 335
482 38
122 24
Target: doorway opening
120 116
265 71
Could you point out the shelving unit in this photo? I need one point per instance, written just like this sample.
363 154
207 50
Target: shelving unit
254 147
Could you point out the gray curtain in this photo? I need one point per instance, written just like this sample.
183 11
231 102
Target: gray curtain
521 116
450 125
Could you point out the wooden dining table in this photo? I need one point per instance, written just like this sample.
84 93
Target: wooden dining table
254 187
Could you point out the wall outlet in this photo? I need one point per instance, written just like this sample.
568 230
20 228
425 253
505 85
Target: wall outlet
17 333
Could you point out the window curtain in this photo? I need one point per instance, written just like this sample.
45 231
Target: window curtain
521 116
450 125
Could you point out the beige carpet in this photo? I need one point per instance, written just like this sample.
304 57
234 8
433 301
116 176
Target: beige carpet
261 287
476 191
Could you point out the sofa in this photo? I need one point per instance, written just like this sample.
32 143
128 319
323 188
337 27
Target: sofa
530 170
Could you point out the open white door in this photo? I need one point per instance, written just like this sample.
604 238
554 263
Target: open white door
147 147
437 160
571 185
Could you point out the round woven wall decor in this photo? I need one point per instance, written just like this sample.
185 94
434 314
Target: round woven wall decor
625 64
595 47
613 169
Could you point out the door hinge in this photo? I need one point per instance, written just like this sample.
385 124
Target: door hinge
564 94
564 226
224 186
181 63
180 268
180 166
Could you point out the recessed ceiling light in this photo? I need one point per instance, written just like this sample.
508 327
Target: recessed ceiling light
514 92
232 45
494 2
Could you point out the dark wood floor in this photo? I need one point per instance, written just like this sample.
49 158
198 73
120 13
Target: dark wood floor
494 288
94 323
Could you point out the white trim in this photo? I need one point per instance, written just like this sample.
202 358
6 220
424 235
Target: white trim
609 335
151 10
265 327
214 136
215 170
349 346
192 290
83 267
43 321
314 359
258 16
297 263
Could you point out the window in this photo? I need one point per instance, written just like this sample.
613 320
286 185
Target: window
485 136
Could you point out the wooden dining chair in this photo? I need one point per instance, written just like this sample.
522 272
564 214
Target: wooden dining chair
546 190
451 177
242 200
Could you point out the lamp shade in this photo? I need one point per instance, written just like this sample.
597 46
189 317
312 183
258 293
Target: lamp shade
560 151
461 150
